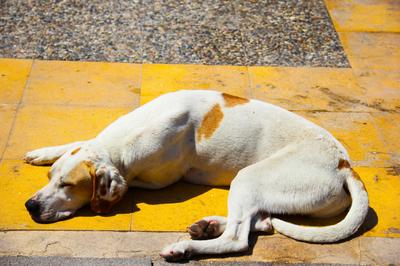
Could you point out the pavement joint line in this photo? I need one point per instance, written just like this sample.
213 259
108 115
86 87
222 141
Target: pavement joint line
18 106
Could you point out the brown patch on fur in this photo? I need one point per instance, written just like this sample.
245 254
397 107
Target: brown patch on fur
75 151
357 177
231 100
343 164
210 122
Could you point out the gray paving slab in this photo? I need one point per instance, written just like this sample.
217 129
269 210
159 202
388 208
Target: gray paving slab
67 261
265 249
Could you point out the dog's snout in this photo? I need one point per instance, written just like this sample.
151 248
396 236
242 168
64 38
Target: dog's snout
33 206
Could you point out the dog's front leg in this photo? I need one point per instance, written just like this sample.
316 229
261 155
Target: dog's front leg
48 155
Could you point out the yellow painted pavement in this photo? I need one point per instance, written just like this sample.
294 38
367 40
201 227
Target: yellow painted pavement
51 102
365 15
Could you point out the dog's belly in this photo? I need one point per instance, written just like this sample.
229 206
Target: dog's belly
216 177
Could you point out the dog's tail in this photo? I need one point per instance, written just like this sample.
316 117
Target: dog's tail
345 228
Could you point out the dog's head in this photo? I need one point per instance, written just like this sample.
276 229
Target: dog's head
75 179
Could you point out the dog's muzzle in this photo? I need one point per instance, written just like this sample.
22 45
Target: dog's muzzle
33 207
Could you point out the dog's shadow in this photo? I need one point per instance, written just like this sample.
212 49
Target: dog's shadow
182 191
178 192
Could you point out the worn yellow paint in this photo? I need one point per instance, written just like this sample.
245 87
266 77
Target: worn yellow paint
388 125
84 83
382 88
13 78
19 181
176 207
384 192
373 51
58 107
357 132
365 15
304 88
159 79
47 125
375 59
7 114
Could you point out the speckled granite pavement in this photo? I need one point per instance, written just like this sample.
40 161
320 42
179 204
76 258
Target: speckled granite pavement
216 32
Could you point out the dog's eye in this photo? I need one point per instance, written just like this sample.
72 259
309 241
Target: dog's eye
65 185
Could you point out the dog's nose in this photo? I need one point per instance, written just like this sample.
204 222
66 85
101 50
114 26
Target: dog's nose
33 206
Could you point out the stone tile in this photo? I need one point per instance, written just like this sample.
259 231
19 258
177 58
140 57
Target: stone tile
159 79
379 251
383 187
208 13
358 134
84 83
45 125
284 250
102 244
382 88
329 89
7 114
372 51
192 44
365 16
289 33
14 74
67 261
20 29
388 127
95 30
294 33
19 181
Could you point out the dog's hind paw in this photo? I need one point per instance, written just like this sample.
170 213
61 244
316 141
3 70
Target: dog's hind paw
204 229
176 251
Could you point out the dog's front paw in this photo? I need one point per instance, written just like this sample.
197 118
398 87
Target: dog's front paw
204 229
176 251
38 157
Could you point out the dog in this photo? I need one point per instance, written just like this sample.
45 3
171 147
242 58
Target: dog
274 161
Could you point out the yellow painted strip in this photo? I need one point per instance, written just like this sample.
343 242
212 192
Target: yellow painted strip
383 187
308 88
370 137
37 126
159 79
177 207
7 114
357 132
372 51
367 16
84 83
13 76
388 126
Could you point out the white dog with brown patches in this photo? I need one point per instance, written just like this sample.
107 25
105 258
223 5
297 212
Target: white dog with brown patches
275 162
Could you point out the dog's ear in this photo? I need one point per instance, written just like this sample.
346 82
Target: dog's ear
108 187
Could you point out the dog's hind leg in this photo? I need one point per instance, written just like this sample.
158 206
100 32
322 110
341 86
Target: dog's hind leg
48 155
233 239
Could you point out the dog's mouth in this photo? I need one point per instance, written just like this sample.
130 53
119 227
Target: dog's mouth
51 216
